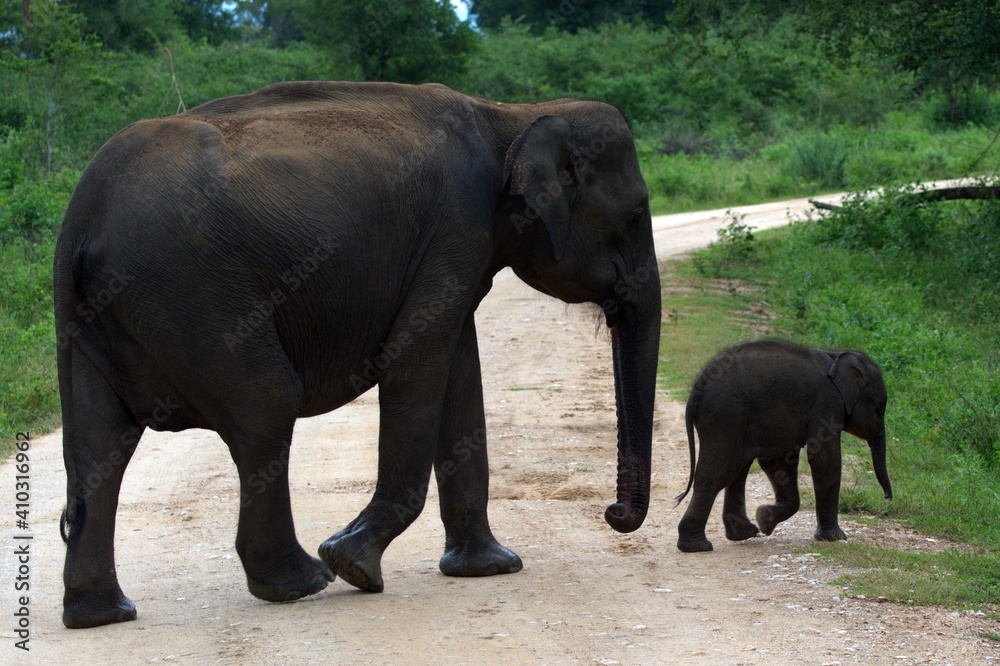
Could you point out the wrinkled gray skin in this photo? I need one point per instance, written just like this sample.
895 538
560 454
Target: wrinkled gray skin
764 401
274 255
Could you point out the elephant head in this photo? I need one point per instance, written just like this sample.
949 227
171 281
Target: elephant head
860 384
576 210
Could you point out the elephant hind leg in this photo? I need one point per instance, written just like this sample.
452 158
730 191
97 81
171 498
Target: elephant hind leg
257 427
734 509
98 444
691 529
782 470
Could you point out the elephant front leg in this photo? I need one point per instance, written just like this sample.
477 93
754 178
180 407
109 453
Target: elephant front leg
782 470
824 463
462 470
409 421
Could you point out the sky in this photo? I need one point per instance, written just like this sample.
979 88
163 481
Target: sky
460 9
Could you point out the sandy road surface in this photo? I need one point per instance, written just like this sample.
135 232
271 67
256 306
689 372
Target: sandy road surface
586 595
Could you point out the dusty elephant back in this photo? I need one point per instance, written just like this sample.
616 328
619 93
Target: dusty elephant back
760 391
770 363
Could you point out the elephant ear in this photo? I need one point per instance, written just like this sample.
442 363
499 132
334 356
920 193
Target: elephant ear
539 167
848 374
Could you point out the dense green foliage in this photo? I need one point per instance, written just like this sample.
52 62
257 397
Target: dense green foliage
414 41
953 44
568 15
720 123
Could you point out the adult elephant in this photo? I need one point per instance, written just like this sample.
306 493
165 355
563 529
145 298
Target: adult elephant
273 255
766 400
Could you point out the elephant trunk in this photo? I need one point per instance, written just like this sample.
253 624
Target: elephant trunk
635 347
878 462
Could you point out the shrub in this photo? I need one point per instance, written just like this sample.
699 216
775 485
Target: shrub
819 158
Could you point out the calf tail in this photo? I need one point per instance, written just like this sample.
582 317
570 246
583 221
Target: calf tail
689 414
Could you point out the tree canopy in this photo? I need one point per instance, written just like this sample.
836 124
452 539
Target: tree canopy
954 44
571 15
411 42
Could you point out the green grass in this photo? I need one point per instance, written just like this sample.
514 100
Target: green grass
808 163
702 315
29 399
916 287
952 578
30 211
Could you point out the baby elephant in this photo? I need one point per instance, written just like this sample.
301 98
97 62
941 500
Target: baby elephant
765 400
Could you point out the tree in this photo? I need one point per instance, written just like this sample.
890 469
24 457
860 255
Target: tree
60 65
954 44
139 25
411 42
569 15
951 43
211 20
277 19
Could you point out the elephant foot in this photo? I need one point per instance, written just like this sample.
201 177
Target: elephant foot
307 577
830 534
766 519
479 559
739 528
691 535
694 544
355 557
82 610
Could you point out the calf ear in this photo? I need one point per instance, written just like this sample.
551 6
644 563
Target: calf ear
848 374
539 167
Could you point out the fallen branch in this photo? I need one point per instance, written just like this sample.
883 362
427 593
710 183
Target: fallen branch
824 206
952 193
941 194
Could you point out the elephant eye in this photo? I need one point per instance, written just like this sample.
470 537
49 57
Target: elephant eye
634 216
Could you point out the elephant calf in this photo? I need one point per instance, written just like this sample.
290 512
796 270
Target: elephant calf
764 401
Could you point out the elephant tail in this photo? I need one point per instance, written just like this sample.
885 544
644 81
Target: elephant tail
689 414
64 288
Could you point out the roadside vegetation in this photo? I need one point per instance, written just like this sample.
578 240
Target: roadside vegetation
731 102
916 286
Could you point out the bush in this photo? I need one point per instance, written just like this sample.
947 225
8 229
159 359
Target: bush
32 210
819 159
972 106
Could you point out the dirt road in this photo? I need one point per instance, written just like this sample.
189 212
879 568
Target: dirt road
586 595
